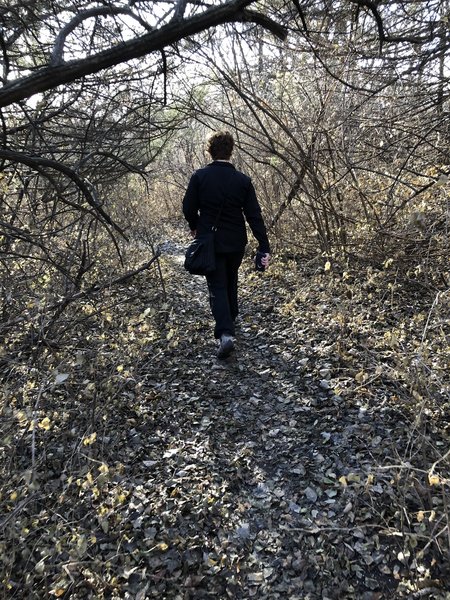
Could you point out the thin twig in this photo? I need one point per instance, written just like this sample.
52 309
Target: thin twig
33 430
17 509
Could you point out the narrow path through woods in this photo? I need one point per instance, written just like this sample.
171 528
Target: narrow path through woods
252 479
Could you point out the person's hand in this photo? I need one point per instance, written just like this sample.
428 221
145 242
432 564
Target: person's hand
193 233
265 260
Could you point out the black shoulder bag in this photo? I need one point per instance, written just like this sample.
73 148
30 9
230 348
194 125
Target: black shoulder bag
200 258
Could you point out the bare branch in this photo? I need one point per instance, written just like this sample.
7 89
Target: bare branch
60 307
383 36
51 76
36 161
302 15
376 15
275 28
58 49
179 10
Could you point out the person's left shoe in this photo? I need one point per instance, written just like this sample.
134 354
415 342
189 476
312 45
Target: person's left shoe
226 347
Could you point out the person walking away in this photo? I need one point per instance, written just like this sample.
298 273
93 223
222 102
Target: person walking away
220 189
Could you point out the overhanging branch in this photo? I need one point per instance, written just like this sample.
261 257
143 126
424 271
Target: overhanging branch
251 16
38 161
50 77
58 49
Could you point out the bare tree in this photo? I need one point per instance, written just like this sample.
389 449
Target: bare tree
348 145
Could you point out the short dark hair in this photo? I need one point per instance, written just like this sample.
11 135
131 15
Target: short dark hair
220 145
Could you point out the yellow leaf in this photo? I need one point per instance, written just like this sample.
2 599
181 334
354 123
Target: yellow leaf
162 546
353 477
433 479
88 441
360 377
343 480
45 424
59 592
13 496
120 368
21 417
420 516
103 468
327 266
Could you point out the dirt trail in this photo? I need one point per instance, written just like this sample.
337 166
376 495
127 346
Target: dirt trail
261 479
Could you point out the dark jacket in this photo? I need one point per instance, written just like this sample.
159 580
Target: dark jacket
207 189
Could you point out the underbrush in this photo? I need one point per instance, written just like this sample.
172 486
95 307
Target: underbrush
67 397
380 342
69 403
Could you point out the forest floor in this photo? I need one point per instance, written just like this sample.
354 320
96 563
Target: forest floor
299 468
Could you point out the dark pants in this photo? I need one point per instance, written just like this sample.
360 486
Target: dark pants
223 292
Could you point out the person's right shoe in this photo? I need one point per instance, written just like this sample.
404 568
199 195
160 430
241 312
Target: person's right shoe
226 347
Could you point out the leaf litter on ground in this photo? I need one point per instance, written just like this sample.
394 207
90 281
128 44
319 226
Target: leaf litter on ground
298 468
